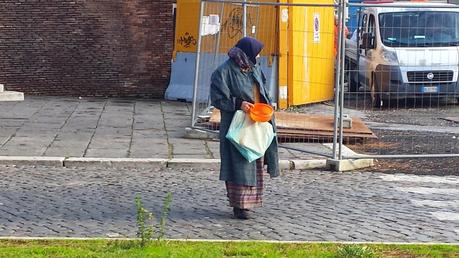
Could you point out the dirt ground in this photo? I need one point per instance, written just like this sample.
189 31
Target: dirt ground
418 128
420 113
409 142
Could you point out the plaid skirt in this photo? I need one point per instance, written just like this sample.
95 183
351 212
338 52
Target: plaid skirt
244 196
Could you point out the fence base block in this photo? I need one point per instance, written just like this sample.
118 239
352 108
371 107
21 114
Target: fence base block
349 164
11 95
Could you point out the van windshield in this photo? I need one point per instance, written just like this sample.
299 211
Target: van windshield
419 29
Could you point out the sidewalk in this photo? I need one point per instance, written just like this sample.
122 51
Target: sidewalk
108 128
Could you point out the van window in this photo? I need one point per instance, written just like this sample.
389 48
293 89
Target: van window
372 28
419 29
363 24
372 25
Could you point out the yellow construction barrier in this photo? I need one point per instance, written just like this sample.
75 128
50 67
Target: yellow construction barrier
261 23
301 39
307 57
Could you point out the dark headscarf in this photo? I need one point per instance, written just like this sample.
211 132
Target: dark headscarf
251 47
245 52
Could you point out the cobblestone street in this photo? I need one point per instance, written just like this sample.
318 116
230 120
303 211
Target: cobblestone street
314 205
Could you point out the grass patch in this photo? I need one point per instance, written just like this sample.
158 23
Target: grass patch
105 248
355 251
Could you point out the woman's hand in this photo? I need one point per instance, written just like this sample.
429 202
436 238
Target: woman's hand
246 106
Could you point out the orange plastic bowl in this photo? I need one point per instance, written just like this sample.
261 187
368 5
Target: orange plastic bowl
261 112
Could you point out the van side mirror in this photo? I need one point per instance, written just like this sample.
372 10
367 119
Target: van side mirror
368 41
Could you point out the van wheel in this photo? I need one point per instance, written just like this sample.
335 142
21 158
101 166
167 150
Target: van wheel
353 85
376 100
351 75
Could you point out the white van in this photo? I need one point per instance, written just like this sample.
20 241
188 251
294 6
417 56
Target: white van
407 52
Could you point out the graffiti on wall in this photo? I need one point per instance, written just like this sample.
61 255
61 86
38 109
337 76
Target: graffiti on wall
187 40
233 24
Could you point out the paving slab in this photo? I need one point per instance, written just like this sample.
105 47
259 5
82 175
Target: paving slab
65 152
148 154
23 151
106 153
107 128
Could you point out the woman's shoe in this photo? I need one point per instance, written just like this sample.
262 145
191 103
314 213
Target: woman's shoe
241 213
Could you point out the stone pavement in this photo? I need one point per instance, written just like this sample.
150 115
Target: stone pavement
106 128
314 206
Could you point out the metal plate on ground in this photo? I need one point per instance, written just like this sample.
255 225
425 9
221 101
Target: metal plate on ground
451 119
305 127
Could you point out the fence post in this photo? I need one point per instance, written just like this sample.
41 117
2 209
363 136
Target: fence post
337 87
217 43
342 46
244 18
196 72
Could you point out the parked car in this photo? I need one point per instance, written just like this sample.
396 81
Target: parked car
399 53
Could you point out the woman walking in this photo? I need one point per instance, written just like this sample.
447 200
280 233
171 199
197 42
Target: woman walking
236 85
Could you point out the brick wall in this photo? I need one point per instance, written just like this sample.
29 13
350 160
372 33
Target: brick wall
117 48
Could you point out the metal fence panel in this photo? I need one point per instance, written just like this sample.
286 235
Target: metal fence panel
396 73
298 60
221 27
401 69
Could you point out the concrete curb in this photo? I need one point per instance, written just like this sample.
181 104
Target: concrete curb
153 163
309 164
224 240
147 163
285 165
194 163
32 161
115 163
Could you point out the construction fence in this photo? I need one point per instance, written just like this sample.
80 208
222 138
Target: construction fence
384 86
